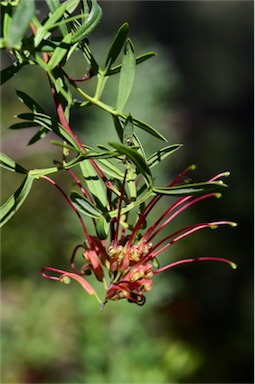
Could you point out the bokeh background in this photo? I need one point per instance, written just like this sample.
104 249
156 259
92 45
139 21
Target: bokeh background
197 324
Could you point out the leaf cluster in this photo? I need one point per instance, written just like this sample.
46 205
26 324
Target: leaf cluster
49 44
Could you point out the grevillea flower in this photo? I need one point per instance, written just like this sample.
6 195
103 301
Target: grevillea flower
126 261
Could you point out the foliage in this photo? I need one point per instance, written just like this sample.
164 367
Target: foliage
118 187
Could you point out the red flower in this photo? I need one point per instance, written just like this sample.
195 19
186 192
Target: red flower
127 261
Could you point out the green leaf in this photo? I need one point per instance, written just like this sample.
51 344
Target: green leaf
29 102
127 76
90 23
131 205
84 205
110 169
118 126
26 124
50 125
116 45
94 183
53 5
146 127
43 30
10 207
10 71
60 52
128 131
89 57
138 144
71 5
102 228
160 155
38 136
7 163
136 158
7 20
20 23
191 189
90 154
139 59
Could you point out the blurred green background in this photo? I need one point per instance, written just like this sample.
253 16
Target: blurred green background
197 324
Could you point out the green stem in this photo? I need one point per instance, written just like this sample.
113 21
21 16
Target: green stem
102 79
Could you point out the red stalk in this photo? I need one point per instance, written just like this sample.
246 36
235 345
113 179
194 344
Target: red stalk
186 261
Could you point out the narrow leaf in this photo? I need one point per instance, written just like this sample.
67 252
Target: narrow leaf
102 228
51 125
149 129
11 165
116 45
160 155
110 169
60 52
90 23
128 131
20 23
53 5
26 124
127 76
89 57
94 183
191 189
118 126
10 71
138 60
136 158
29 102
38 136
10 207
84 205
43 31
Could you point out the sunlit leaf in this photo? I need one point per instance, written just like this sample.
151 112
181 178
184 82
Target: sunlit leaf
146 127
90 23
50 124
127 76
94 183
20 22
102 228
136 158
11 165
60 52
110 169
160 155
84 205
43 30
191 189
139 59
128 131
116 45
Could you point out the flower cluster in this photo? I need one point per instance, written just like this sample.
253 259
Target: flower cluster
127 260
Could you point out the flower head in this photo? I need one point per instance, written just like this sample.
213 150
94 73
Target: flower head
127 259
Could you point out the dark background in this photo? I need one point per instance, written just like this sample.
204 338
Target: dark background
211 45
